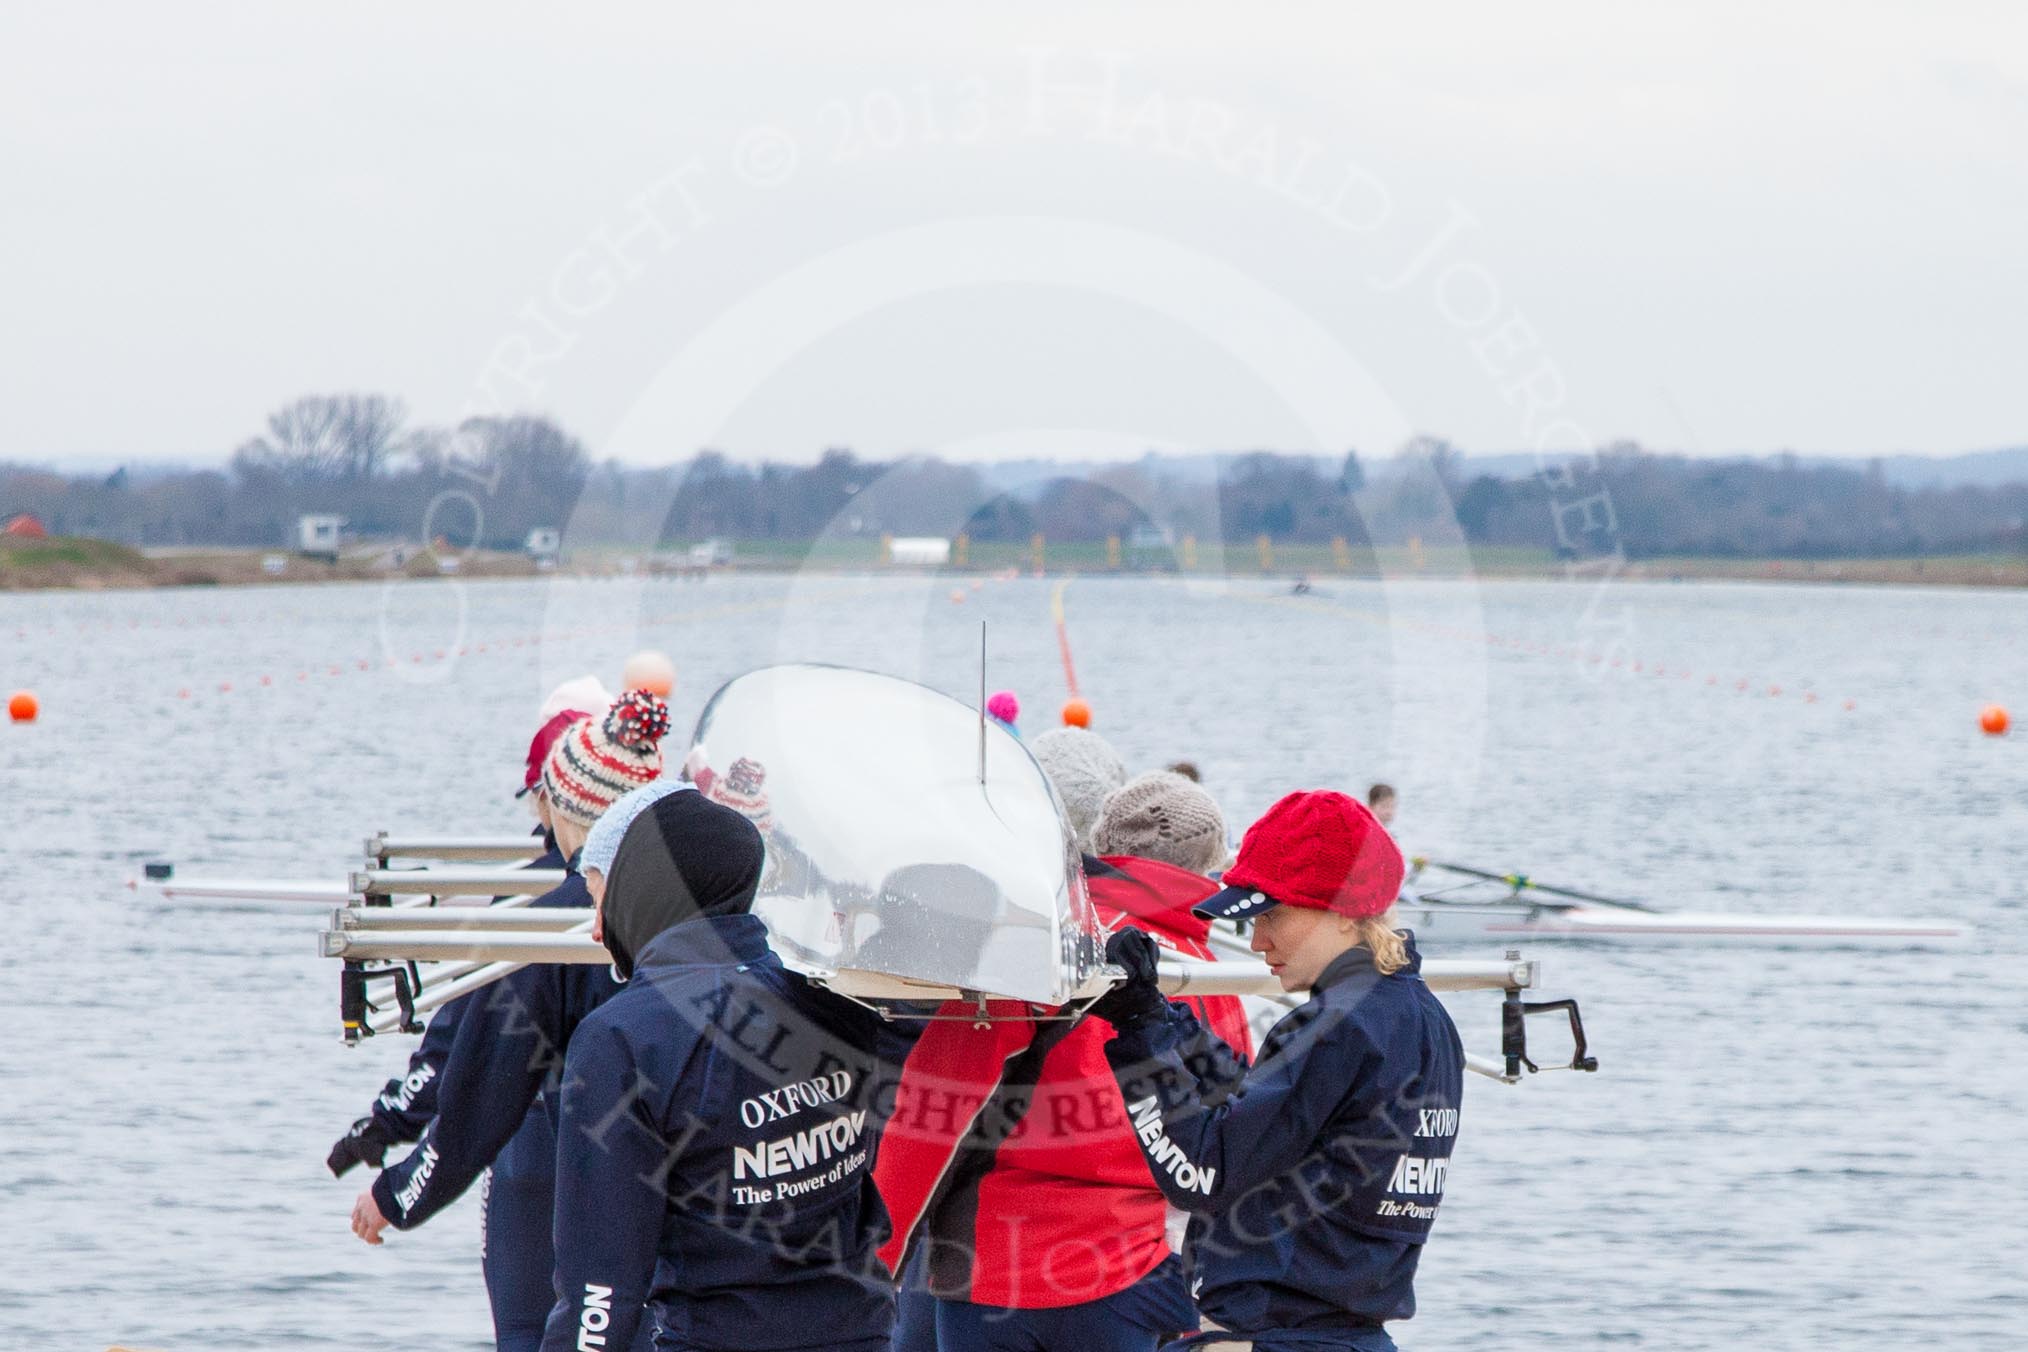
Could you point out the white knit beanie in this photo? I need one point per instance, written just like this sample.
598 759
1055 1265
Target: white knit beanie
1162 816
1084 768
586 694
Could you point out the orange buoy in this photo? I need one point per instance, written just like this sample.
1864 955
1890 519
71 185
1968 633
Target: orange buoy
957 596
1076 713
1993 719
651 671
22 706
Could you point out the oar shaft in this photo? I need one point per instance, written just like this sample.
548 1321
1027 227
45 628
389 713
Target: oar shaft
1522 882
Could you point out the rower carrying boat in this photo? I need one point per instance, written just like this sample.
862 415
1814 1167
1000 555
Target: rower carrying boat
915 852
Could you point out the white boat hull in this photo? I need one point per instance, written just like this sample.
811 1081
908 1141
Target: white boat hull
1443 922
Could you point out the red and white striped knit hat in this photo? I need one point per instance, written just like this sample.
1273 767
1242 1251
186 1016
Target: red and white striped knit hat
599 759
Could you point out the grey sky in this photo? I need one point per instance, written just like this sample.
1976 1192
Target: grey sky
1712 228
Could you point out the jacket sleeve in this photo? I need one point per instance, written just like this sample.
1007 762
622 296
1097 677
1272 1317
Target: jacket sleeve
508 1041
408 1101
609 1202
1211 1129
1225 1016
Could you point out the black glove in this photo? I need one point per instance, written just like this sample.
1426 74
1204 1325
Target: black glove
1137 998
364 1144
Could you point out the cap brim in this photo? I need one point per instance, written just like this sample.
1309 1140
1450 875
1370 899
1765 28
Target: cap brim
1233 903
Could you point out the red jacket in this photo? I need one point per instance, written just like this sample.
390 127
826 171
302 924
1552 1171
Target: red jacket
1009 1154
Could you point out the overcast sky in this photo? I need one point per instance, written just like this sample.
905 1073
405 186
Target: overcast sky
1712 228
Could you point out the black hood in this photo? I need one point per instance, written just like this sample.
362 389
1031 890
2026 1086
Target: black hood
684 857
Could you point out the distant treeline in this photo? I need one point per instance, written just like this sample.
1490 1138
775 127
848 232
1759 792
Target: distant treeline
490 480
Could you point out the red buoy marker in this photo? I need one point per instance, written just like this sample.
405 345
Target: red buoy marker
1993 720
22 706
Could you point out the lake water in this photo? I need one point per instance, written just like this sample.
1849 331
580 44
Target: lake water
1783 1148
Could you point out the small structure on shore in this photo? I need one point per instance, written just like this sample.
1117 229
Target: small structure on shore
24 526
317 536
543 544
710 554
918 551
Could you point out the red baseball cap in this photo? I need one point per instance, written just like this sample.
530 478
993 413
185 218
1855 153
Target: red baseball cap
1315 849
539 745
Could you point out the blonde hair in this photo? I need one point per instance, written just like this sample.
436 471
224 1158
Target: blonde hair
1378 936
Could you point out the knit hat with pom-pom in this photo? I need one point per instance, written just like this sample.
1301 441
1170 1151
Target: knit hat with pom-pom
1084 768
600 758
743 788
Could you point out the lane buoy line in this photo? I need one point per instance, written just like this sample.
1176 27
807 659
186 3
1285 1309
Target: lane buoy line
135 625
1056 610
433 656
1569 652
223 619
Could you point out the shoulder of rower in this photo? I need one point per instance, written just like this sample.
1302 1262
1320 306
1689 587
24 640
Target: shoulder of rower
1336 1022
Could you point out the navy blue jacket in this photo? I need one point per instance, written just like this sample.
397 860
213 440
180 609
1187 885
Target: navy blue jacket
1314 1177
715 1157
508 1047
407 1102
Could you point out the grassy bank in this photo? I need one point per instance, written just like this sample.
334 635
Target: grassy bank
1394 562
66 561
85 564
79 563
1971 570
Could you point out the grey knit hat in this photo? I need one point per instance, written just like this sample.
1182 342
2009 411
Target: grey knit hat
1084 768
1162 816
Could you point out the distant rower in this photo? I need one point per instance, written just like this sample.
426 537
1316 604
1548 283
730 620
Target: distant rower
1380 802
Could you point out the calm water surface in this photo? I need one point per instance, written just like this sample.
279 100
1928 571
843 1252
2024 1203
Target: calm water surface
1784 1148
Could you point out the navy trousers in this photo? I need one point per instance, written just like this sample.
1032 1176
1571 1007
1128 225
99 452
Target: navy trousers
1137 1319
1306 1340
516 1252
915 1310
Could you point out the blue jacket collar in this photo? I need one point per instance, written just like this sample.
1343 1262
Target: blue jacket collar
706 941
1355 962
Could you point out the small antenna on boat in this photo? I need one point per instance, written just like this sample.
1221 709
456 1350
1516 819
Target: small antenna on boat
982 702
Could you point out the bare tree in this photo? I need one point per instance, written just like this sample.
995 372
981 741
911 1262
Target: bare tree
323 438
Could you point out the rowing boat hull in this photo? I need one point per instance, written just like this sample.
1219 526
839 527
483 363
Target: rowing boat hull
1464 922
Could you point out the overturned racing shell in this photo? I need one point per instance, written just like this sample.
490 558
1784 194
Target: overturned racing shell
910 854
